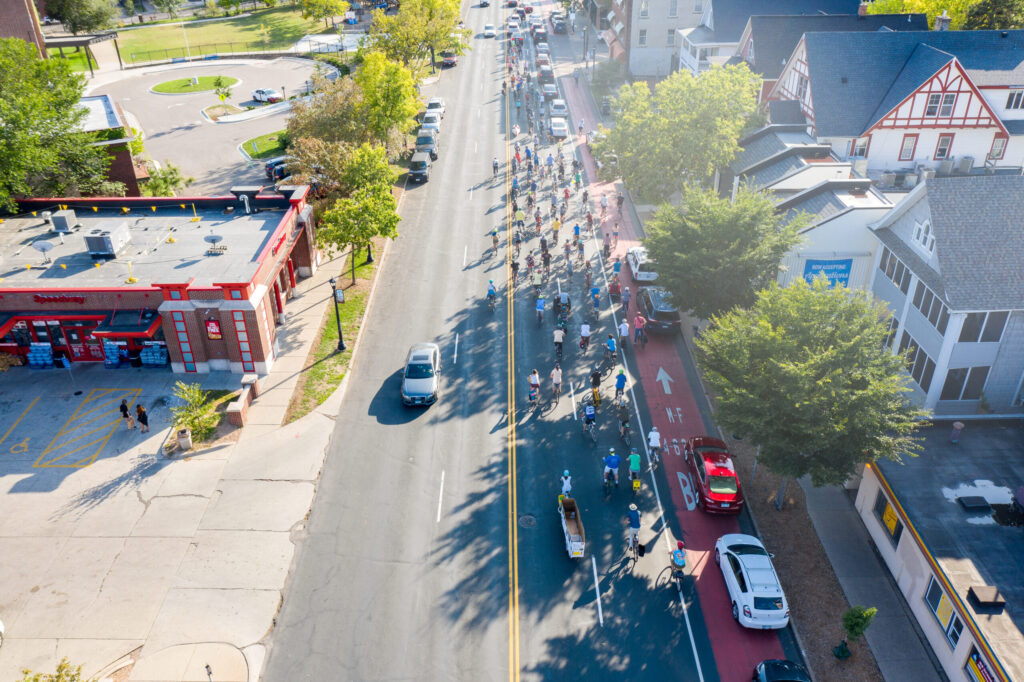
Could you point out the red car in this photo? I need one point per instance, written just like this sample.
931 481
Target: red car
529 9
714 474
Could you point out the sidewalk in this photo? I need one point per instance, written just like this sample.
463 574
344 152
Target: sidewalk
900 653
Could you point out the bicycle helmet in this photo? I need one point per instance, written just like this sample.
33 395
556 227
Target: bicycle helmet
491 281
565 473
621 371
679 544
632 507
611 451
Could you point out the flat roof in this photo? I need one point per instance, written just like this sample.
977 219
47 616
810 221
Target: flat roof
970 546
153 258
102 115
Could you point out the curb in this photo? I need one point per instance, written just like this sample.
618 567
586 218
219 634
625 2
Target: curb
238 82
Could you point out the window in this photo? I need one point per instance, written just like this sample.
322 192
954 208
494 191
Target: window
642 40
860 148
984 327
942 148
890 337
175 294
909 145
942 607
890 521
964 383
920 366
670 39
895 270
183 342
801 87
644 8
932 109
236 294
946 108
940 105
698 6
998 148
673 8
1015 100
923 235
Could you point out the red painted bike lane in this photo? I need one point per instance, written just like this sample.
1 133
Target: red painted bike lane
673 409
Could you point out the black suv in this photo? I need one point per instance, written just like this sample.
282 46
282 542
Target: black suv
656 305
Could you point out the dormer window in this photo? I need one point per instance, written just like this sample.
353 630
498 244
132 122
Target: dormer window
924 237
940 105
1015 99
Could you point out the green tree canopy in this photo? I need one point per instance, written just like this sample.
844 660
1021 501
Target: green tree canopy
331 114
169 6
354 221
84 16
166 181
42 151
714 254
390 102
65 673
418 28
956 9
805 373
323 9
680 133
367 166
990 15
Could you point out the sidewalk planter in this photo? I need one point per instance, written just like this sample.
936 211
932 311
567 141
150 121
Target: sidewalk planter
185 439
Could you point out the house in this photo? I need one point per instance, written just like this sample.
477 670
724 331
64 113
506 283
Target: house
941 524
949 268
904 105
643 33
716 37
768 41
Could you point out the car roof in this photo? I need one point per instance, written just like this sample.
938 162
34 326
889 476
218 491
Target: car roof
661 298
427 131
438 100
424 347
420 156
708 442
718 463
558 101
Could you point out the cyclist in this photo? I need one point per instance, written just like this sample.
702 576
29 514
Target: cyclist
575 234
620 383
623 415
565 195
679 556
543 244
546 257
585 198
611 464
587 270
567 250
520 218
530 262
634 464
515 271
579 255
517 239
595 384
494 165
559 337
581 126
491 291
625 301
556 378
609 348
633 518
494 239
584 336
589 414
550 161
504 87
654 443
566 483
623 333
604 204
540 306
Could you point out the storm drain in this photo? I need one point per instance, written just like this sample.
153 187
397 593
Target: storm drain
527 520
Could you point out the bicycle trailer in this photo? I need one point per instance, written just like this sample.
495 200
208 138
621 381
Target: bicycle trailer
572 525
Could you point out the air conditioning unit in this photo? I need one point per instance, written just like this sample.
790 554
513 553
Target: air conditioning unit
945 168
925 174
64 221
964 165
888 179
107 239
910 180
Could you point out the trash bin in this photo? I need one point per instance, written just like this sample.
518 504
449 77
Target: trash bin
185 439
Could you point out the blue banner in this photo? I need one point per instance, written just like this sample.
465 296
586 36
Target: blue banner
835 270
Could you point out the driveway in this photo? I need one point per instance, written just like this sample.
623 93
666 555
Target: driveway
176 130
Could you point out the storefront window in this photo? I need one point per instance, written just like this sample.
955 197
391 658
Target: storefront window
42 335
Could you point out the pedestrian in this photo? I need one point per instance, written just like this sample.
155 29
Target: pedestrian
607 246
143 418
604 204
129 422
625 301
615 236
623 333
619 200
566 483
954 437
576 76
638 327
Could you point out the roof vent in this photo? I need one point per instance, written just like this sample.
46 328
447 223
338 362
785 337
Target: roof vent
974 503
843 79
247 195
64 221
986 599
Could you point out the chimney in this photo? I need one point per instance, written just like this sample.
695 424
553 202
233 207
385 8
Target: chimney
942 22
862 11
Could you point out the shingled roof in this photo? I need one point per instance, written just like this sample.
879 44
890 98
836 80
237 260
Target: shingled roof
854 75
729 17
775 37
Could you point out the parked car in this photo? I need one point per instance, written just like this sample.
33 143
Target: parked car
267 95
513 3
640 264
517 36
656 305
545 74
521 13
540 33
273 163
542 48
535 22
420 375
558 26
449 58
558 108
543 60
718 486
489 31
776 670
431 120
436 105
750 579
485 3
528 8
426 141
513 25
559 128
419 167
550 91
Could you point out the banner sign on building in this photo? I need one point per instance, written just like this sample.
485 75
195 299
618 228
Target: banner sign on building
835 270
213 329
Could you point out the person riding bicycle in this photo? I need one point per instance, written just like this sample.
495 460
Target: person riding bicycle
566 481
654 443
517 239
595 378
634 464
559 337
494 165
538 280
584 335
540 308
491 291
515 271
530 262
679 556
586 197
604 203
494 238
610 348
619 200
633 519
546 257
611 464
589 415
550 161
623 414
556 381
520 218
620 382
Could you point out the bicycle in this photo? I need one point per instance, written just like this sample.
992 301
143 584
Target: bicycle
494 242
634 546
492 301
595 394
635 478
608 482
625 433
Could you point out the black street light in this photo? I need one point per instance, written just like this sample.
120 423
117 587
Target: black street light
337 315
369 253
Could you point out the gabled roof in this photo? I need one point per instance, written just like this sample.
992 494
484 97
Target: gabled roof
730 17
978 240
851 74
786 111
924 63
775 37
832 197
765 142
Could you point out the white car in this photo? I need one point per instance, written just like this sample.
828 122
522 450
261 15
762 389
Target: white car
489 31
436 105
558 108
431 121
640 264
267 95
559 128
750 580
542 48
513 25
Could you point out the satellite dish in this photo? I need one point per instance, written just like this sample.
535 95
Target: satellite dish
42 246
213 239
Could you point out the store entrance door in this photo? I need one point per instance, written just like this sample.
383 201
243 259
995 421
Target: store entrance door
82 346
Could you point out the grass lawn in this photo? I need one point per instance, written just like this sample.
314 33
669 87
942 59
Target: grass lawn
265 146
325 366
181 86
76 60
284 26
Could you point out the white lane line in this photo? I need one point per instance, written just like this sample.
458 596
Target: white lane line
572 394
465 255
476 145
455 360
597 590
558 281
471 194
440 496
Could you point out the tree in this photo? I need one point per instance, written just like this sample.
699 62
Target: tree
332 114
168 6
65 673
354 221
680 133
714 254
856 621
390 102
221 89
419 27
323 9
367 166
990 15
806 373
166 181
84 16
956 9
40 140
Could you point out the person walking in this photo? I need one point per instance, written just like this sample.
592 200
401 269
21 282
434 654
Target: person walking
142 417
623 333
129 422
615 236
638 327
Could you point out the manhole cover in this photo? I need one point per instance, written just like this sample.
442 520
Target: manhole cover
527 520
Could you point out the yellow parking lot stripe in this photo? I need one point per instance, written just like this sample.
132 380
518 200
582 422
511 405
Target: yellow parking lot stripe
30 406
98 399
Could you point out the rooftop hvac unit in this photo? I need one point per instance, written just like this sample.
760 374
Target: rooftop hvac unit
925 174
107 239
64 221
888 179
945 168
964 165
909 180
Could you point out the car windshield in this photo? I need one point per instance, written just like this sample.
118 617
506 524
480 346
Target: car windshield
744 549
434 105
425 139
722 485
419 370
418 165
768 603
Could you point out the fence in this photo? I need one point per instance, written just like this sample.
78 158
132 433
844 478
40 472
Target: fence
210 51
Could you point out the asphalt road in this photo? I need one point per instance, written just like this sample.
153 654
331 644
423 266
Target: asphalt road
404 570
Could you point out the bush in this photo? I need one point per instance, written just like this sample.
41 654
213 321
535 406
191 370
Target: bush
336 61
284 139
856 620
192 413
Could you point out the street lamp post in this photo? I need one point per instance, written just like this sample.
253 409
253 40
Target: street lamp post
184 35
284 95
586 35
337 315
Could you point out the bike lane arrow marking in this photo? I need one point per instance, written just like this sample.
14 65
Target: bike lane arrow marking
664 379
